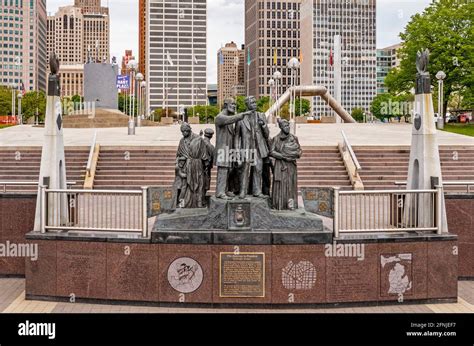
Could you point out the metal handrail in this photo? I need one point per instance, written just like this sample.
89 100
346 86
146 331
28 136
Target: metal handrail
382 211
468 184
93 214
348 146
91 155
26 183
377 192
121 192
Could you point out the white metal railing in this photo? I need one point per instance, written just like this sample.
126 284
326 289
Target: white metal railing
446 184
94 210
5 184
387 211
91 155
347 147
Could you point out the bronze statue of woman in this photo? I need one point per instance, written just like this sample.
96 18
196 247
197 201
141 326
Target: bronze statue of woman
285 149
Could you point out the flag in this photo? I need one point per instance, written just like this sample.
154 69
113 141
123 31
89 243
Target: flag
22 88
274 57
331 57
169 58
301 56
249 59
196 61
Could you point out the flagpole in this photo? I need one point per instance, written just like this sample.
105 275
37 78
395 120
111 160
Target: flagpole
248 71
192 81
301 93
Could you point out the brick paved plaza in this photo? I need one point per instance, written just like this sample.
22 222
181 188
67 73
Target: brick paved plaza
308 135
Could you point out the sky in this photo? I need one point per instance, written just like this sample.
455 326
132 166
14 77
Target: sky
226 23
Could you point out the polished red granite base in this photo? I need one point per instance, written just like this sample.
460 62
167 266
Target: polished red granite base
17 215
460 212
226 274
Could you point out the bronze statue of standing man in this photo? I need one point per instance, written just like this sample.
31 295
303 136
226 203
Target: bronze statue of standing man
225 132
251 138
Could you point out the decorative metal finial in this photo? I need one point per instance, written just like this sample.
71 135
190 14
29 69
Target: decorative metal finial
422 60
53 63
54 88
423 80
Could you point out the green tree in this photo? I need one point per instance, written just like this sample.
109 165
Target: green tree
302 107
76 99
240 101
205 113
285 111
5 101
157 114
263 104
406 105
380 106
33 101
358 114
124 104
445 28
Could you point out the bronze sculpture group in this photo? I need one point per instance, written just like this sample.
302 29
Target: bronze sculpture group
246 159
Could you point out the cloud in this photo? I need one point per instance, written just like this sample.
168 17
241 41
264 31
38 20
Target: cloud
393 16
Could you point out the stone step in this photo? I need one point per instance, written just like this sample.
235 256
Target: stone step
155 159
120 154
34 177
171 173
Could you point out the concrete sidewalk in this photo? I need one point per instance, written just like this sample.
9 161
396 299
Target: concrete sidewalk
309 135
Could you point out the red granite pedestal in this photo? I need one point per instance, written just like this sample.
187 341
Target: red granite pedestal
349 271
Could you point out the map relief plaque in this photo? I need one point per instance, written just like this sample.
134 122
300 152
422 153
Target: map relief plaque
242 275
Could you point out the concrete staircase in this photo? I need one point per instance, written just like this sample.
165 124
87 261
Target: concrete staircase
322 167
23 164
383 166
103 118
131 168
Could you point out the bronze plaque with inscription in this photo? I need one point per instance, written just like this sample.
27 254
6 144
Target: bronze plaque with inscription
242 275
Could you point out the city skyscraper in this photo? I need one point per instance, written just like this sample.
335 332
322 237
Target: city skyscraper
91 6
23 57
355 22
272 37
142 33
230 72
176 53
386 60
78 34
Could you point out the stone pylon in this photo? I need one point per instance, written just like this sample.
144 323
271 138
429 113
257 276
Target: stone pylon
424 170
53 163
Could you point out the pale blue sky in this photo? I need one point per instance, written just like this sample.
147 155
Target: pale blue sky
226 23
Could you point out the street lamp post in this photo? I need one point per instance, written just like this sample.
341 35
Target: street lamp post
139 79
440 76
20 117
144 100
132 65
271 83
293 65
277 77
13 100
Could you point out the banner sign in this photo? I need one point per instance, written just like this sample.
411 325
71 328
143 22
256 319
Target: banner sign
123 82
